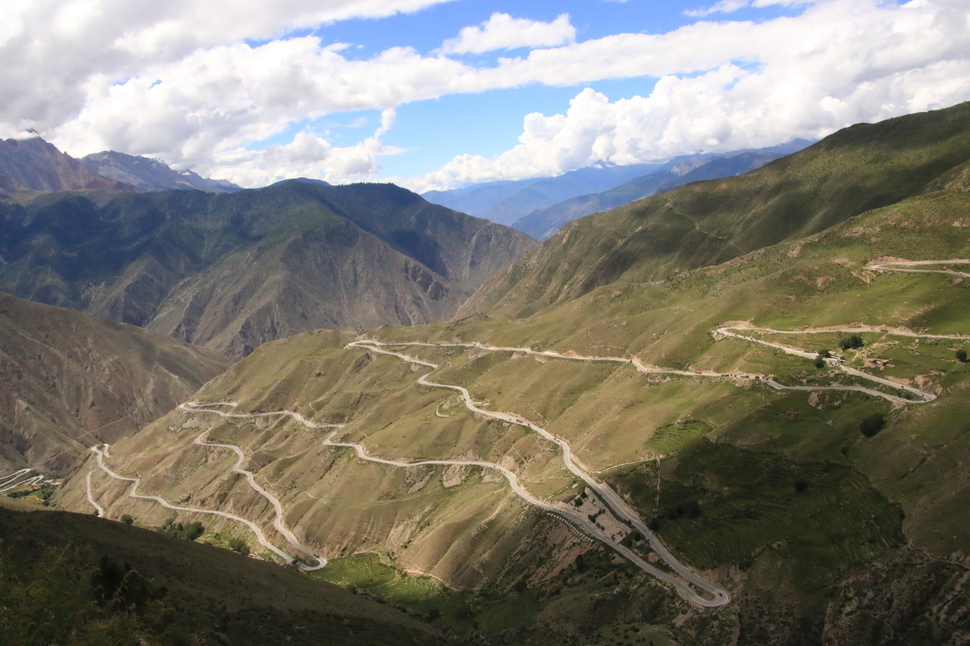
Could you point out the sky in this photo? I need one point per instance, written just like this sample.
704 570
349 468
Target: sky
437 94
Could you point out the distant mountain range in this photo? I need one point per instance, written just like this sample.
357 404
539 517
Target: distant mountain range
232 271
507 201
36 165
150 174
540 206
543 223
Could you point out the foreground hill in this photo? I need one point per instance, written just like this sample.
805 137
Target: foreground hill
826 499
180 592
855 170
71 380
232 271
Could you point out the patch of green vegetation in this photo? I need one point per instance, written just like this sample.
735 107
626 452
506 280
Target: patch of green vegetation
374 575
673 438
818 518
637 634
239 546
57 600
872 424
42 494
186 532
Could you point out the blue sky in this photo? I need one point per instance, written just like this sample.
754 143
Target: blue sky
441 93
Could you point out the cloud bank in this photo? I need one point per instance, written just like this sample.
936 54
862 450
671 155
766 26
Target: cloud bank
178 81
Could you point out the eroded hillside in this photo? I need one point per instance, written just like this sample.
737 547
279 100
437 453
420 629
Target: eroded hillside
232 271
71 380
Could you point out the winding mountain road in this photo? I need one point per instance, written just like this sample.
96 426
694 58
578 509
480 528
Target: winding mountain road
909 264
13 480
716 595
719 596
260 536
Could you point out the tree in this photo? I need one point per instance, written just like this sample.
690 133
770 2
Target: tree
851 342
872 424
127 520
962 355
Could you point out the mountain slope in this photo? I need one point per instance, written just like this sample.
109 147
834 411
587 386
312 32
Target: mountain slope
71 380
752 465
234 270
854 170
150 174
35 165
211 595
542 223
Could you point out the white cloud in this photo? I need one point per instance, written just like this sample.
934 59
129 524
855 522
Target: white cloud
308 155
837 64
502 31
52 52
730 6
724 6
184 89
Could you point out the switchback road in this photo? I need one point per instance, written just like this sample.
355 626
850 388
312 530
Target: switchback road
718 597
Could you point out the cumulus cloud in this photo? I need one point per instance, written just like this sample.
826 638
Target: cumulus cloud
806 77
502 31
174 80
308 155
54 52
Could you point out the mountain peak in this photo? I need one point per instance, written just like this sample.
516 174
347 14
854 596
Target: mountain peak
147 174
34 164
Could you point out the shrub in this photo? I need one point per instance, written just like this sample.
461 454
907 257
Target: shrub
237 545
188 532
872 424
962 355
851 342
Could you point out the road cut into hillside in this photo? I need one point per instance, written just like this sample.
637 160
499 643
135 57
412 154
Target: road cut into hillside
19 479
718 596
907 266
101 452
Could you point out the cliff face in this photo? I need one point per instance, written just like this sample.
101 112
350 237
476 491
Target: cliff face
71 380
232 271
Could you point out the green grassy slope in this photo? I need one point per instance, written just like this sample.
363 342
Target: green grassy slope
706 223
